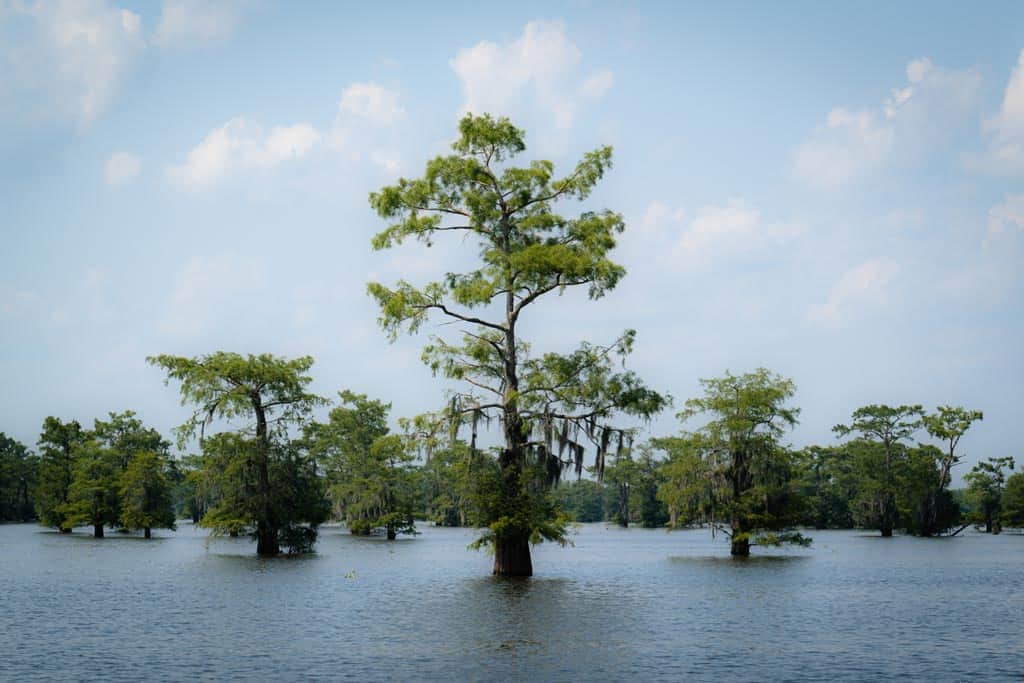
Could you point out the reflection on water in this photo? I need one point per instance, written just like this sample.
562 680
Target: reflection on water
633 604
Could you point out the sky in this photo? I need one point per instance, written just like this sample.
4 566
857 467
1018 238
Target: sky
833 192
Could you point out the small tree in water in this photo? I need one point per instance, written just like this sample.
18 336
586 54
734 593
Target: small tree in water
887 428
371 475
262 481
146 501
732 473
546 403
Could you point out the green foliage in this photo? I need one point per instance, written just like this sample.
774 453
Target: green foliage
1013 501
226 385
631 490
59 445
372 479
447 483
255 479
986 484
94 493
581 500
925 506
827 485
879 465
645 505
19 476
126 436
525 251
732 472
146 500
295 498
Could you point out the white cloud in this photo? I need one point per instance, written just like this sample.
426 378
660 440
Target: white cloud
848 145
543 63
659 217
240 145
721 232
853 143
867 284
370 102
1007 216
365 125
597 85
1006 128
121 168
206 287
189 23
69 58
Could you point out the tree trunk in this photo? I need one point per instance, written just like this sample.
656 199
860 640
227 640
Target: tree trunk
512 557
266 529
740 547
195 516
392 535
65 531
149 534
997 527
266 541
888 515
988 524
97 531
673 516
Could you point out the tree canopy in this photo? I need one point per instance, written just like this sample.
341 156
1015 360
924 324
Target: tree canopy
525 251
262 480
733 473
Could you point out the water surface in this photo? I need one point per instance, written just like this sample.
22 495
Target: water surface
639 604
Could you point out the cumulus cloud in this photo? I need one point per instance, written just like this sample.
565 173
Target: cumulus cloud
853 143
189 23
543 64
370 102
864 285
121 168
849 144
724 232
1006 129
659 217
66 59
240 145
365 124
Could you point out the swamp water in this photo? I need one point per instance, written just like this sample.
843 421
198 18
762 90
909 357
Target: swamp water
623 604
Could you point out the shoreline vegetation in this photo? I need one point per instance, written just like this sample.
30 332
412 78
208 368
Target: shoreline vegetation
566 448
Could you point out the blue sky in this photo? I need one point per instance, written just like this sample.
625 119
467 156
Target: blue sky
831 192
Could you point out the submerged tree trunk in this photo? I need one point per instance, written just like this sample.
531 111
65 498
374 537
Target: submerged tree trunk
97 531
149 534
512 557
997 527
266 541
740 546
392 535
64 530
888 517
266 529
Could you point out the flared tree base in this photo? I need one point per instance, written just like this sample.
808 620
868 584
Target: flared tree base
512 557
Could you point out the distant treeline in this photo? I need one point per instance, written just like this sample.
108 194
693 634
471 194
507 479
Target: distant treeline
121 475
